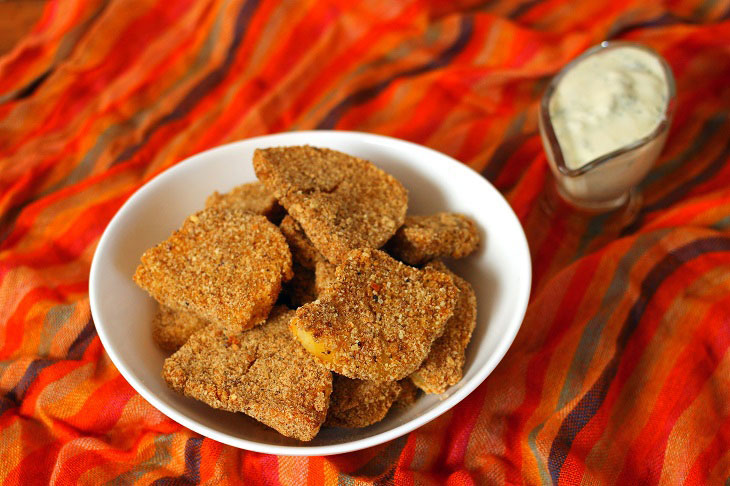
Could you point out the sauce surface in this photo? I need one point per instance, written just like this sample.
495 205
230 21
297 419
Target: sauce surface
607 101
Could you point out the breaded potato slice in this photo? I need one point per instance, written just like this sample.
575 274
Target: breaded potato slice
441 235
262 372
308 285
378 319
224 265
171 329
324 275
301 289
302 250
444 365
252 197
408 394
359 403
342 202
305 254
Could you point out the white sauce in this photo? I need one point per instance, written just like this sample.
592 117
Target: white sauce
606 102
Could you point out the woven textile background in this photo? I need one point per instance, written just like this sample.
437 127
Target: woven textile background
621 371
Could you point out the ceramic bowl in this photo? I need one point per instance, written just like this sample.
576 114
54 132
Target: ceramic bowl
500 273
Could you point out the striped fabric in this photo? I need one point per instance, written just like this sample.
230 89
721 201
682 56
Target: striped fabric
621 372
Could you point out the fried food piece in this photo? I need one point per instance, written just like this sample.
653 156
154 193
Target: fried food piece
303 251
172 329
359 403
342 202
408 394
301 289
444 365
308 285
324 275
224 265
441 235
262 372
252 197
306 255
378 319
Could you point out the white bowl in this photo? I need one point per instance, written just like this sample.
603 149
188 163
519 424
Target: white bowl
500 273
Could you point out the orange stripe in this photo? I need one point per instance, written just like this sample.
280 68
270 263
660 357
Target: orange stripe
69 245
27 218
668 291
49 375
35 468
698 474
210 453
685 377
315 471
15 326
360 48
22 59
314 25
54 168
403 473
535 376
103 407
77 95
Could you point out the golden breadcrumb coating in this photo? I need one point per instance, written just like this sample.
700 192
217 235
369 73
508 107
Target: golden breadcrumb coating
252 197
408 394
441 235
301 289
262 372
390 330
302 250
378 319
342 202
324 275
224 265
444 365
172 329
359 403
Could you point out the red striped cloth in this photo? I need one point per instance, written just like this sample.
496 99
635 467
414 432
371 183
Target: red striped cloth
621 372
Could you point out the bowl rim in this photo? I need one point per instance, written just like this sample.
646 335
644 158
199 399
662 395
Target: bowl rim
521 301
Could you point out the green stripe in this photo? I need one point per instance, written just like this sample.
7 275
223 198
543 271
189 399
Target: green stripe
592 332
160 457
721 224
701 141
541 464
84 167
54 321
343 87
66 46
585 351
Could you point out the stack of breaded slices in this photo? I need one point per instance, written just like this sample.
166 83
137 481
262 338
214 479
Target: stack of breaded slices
310 298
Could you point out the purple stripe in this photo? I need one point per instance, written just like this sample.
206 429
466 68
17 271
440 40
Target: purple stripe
82 341
359 97
17 393
523 9
513 139
591 402
664 19
6 404
203 87
682 190
192 466
33 85
66 45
